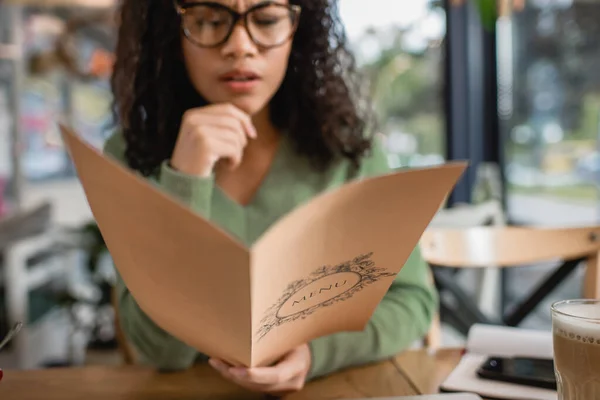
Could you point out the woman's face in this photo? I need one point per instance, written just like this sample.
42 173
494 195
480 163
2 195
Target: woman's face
238 71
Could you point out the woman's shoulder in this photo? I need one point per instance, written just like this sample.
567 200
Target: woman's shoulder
115 146
376 162
342 170
373 163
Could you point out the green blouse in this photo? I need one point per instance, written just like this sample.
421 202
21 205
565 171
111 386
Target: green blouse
403 316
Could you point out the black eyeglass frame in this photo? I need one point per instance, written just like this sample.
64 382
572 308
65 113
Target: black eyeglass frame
293 9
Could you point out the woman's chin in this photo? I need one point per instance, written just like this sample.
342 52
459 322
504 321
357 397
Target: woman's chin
248 105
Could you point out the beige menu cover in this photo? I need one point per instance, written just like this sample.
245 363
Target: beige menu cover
321 269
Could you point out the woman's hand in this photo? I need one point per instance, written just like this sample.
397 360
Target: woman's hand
287 375
209 134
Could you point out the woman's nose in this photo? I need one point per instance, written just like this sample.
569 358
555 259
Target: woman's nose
240 43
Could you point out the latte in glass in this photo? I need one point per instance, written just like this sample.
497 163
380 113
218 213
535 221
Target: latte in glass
576 341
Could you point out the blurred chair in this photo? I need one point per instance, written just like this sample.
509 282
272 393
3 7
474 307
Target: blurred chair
23 224
31 266
487 213
470 215
505 247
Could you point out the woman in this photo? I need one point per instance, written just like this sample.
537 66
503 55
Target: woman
243 109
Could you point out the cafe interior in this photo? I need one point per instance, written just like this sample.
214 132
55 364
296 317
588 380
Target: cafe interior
510 86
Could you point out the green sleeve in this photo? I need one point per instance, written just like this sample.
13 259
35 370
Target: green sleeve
154 345
403 316
193 191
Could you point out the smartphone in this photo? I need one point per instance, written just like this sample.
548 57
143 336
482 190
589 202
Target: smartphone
520 370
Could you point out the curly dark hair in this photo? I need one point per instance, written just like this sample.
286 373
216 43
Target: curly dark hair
319 102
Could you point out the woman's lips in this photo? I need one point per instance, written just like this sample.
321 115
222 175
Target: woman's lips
240 80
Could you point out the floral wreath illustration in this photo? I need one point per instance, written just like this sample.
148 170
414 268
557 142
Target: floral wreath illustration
361 265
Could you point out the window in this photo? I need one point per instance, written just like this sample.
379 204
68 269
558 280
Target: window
46 94
399 45
549 107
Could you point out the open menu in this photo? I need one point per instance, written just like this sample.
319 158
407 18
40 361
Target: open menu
321 269
500 341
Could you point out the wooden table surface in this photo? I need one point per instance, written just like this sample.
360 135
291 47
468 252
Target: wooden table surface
411 373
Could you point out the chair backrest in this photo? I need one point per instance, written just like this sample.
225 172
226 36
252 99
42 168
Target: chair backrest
507 246
489 213
25 223
502 246
465 215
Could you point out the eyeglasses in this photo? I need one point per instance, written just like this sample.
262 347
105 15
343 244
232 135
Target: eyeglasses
207 24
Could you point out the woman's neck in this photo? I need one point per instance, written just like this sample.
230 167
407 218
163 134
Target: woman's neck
242 183
268 134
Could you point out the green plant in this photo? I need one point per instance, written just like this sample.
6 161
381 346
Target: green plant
488 11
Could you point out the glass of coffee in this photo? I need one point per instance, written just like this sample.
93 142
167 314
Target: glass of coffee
576 340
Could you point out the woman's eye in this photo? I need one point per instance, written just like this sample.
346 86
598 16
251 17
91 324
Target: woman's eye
266 21
212 22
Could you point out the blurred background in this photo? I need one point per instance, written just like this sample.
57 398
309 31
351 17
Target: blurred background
511 85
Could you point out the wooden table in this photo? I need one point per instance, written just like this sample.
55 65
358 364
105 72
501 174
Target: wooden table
411 373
